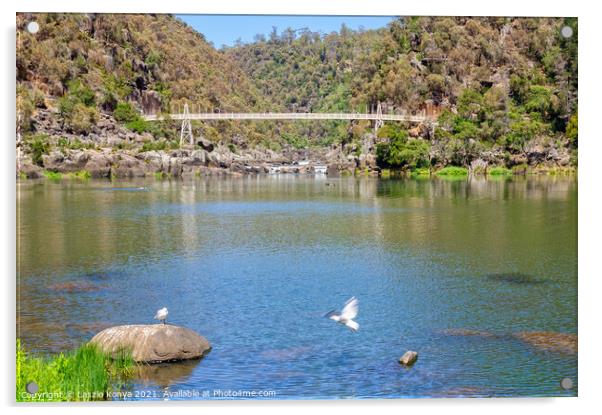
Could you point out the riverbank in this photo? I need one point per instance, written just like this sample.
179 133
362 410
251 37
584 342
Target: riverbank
110 150
112 163
84 374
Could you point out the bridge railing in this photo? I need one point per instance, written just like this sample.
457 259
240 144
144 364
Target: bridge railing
292 116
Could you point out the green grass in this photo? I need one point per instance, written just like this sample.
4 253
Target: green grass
85 374
520 169
52 175
453 171
81 175
499 171
154 146
421 172
159 175
159 145
385 173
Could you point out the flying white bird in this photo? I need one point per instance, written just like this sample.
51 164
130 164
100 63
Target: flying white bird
162 315
347 314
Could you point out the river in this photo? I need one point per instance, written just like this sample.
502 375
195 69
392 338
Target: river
450 269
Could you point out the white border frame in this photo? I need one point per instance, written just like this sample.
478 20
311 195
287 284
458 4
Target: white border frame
589 182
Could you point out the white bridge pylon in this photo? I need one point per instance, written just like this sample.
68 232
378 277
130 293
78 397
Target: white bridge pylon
186 130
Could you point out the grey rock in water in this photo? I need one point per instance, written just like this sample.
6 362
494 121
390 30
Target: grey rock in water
153 343
408 358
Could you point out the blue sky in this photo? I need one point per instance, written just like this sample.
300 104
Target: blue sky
225 29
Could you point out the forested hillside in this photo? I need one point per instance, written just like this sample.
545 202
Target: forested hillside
117 64
499 83
503 90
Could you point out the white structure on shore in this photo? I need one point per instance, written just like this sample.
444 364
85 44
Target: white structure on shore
320 169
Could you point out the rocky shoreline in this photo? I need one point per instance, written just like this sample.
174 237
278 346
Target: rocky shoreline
111 163
116 163
112 151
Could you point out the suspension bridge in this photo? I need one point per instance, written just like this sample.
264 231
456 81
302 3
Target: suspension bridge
378 117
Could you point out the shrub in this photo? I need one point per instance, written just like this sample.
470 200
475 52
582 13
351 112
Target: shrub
66 105
465 130
82 175
53 175
154 146
572 130
38 146
519 88
522 131
520 169
138 125
84 374
453 171
499 171
82 93
470 103
27 101
421 172
403 153
82 119
295 140
540 99
124 112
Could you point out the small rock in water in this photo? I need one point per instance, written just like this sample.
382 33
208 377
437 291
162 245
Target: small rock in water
408 358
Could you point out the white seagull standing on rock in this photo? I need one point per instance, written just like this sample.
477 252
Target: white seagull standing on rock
162 315
347 314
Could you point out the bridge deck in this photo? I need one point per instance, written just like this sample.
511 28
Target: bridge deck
292 116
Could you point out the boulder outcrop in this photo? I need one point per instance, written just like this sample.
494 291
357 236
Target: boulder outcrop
153 343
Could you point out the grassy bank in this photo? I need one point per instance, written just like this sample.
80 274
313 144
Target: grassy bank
453 171
81 175
499 171
85 374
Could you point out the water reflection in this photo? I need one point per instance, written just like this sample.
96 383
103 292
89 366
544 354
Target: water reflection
164 375
251 262
118 226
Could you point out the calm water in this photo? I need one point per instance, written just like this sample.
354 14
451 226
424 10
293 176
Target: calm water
253 263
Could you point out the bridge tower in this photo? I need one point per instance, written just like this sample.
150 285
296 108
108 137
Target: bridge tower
186 131
379 119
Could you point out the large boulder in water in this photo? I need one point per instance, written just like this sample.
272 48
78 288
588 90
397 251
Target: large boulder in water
153 343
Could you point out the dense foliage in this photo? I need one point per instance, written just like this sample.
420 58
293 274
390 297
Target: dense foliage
496 83
85 374
401 152
90 63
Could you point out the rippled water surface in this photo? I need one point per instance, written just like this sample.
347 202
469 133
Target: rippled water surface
451 269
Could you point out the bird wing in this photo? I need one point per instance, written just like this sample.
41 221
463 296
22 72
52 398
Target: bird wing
332 313
352 325
350 309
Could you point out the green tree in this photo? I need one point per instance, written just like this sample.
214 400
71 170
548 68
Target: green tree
401 152
124 112
572 130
